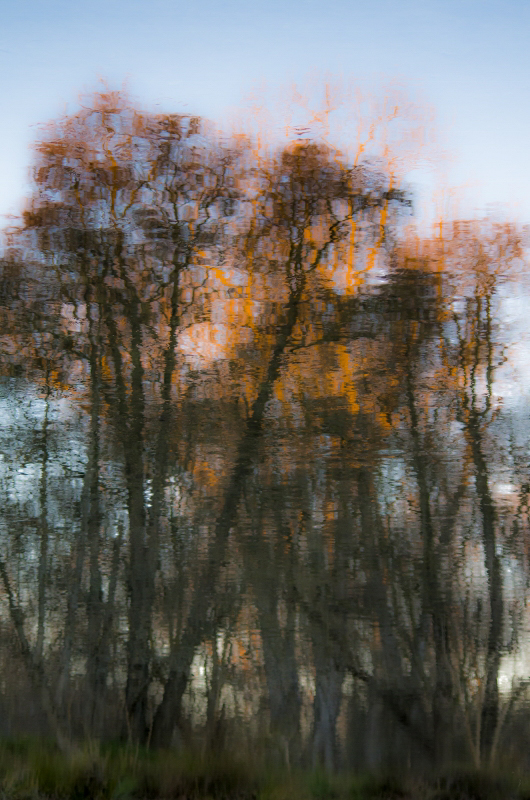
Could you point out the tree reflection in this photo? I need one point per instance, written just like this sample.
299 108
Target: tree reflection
261 451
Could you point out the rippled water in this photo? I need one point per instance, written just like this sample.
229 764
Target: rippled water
257 480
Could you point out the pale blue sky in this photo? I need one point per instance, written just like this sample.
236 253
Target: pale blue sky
469 58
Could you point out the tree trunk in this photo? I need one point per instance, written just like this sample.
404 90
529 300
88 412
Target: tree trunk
43 524
130 424
35 667
96 678
434 605
329 677
490 707
168 712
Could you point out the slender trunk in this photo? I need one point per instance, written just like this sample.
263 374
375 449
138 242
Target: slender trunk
87 506
162 444
472 419
95 679
271 575
329 677
70 619
140 591
433 600
393 696
168 712
328 635
130 422
35 667
43 524
144 557
389 661
490 707
281 669
104 648
214 735
144 536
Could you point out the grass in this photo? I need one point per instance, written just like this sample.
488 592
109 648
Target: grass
32 769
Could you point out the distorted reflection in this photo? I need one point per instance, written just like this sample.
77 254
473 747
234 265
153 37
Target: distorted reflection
257 481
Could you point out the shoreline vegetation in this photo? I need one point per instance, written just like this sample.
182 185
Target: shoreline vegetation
36 769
